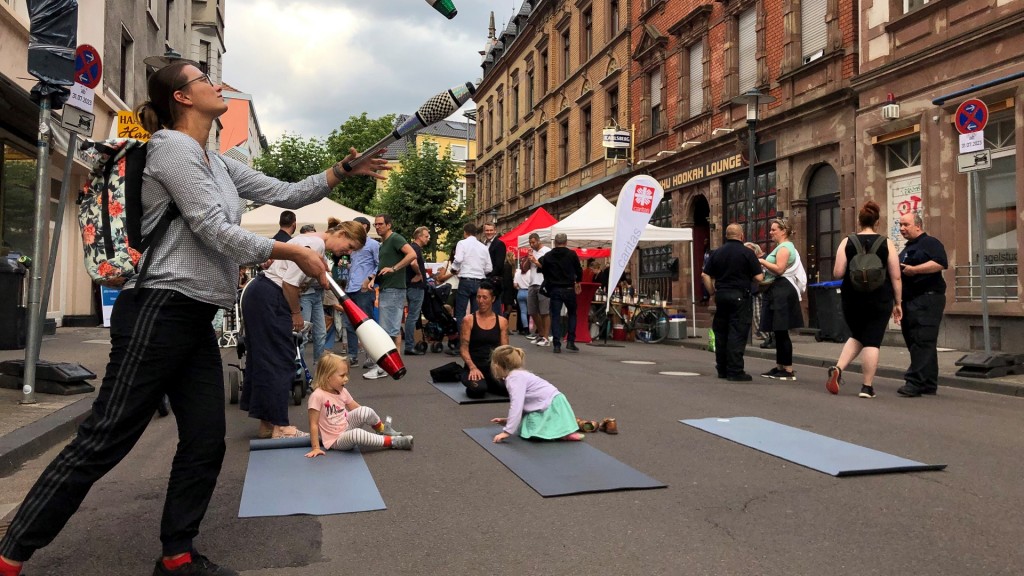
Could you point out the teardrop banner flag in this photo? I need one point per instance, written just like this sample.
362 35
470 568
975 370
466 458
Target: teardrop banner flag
637 201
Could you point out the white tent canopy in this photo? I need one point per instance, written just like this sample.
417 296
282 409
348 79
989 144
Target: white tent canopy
264 220
593 226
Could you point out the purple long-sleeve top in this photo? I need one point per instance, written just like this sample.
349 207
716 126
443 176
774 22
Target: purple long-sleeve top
527 392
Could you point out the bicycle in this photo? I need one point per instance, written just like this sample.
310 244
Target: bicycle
650 324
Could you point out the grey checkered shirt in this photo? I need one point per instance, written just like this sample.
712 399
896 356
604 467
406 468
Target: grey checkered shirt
200 254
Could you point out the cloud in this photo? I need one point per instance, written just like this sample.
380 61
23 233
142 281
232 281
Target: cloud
311 64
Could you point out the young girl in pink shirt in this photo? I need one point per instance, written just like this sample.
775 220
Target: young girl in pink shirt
536 408
336 420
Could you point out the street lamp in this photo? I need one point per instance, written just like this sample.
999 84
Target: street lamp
493 214
753 99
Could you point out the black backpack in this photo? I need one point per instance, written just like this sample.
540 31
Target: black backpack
867 271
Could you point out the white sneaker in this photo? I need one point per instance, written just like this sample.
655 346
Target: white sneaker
375 374
542 342
531 337
389 430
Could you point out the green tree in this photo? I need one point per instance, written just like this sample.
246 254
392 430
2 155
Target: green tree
359 132
424 193
291 158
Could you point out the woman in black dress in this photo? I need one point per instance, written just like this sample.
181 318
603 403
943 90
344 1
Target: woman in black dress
867 313
481 333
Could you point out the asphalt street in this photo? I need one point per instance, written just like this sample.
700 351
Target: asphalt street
453 509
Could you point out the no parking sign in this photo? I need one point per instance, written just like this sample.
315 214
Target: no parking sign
88 67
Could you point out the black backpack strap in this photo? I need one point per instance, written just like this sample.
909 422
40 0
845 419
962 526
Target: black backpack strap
108 240
154 237
855 240
877 244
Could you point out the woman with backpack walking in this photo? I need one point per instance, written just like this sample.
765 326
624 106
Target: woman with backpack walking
162 339
871 293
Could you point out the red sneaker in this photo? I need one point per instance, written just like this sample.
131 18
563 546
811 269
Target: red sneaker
835 378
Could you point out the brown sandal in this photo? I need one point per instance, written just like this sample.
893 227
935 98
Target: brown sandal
587 426
609 426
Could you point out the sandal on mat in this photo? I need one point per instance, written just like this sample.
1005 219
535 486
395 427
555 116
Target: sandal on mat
288 432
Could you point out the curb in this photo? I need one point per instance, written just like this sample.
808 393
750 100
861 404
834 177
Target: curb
32 440
977 384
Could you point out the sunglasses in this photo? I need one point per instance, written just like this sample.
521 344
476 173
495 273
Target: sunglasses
203 78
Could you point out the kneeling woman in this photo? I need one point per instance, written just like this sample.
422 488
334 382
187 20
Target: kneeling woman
537 410
271 313
481 332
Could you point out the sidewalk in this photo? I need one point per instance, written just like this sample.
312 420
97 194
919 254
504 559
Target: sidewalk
27 430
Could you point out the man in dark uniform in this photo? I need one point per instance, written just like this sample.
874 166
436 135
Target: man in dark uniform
496 248
734 269
287 224
562 276
924 299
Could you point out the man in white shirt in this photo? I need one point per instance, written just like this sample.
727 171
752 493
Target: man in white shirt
538 305
472 263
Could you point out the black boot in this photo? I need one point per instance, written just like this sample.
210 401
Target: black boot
769 342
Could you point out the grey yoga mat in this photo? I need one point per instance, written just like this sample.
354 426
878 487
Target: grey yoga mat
808 449
456 391
561 468
281 481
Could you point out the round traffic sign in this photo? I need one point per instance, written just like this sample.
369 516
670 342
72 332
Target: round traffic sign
88 67
971 116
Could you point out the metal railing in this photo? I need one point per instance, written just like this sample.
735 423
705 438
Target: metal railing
1000 283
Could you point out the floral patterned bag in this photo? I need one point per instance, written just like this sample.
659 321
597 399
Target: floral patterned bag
110 212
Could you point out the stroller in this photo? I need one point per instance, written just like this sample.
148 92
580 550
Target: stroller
302 380
440 323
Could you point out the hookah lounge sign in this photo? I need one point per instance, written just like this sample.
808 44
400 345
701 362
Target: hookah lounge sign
706 171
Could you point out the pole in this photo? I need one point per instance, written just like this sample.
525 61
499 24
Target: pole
34 338
982 273
751 131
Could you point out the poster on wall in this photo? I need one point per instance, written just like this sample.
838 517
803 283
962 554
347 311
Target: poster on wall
904 198
107 297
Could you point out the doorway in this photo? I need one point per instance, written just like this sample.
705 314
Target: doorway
701 244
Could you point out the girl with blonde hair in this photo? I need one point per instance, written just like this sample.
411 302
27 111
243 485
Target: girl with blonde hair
536 408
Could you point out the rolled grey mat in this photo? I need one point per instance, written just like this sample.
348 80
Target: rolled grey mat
561 468
457 392
281 481
807 449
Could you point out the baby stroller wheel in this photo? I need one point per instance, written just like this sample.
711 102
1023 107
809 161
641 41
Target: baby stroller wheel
234 386
436 347
421 346
298 391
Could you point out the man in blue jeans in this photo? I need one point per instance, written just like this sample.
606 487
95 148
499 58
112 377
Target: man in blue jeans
472 263
415 288
363 265
562 276
395 255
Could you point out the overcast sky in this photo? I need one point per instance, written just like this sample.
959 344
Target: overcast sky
311 64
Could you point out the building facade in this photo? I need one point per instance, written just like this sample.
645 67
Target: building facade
906 158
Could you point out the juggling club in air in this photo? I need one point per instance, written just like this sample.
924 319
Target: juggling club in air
445 7
378 345
439 107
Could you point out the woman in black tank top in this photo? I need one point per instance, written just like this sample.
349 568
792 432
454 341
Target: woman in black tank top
480 333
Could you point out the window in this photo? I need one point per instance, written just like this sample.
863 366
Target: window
903 154
204 56
587 24
18 192
565 54
755 220
613 17
499 184
515 104
1000 196
542 158
911 5
460 192
747 51
459 153
544 72
613 105
513 173
167 19
528 154
696 78
813 31
654 96
490 128
529 91
480 130
124 84
585 137
563 146
501 117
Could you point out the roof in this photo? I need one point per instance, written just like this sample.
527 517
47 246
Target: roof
444 128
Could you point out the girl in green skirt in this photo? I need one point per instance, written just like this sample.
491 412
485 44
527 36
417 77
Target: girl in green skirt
536 408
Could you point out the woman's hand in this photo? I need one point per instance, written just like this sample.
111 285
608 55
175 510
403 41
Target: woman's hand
500 436
897 313
499 420
314 453
475 374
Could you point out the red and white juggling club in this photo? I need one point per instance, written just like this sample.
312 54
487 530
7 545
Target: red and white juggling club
439 107
375 340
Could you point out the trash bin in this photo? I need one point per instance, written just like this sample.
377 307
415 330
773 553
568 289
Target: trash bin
676 327
12 314
828 308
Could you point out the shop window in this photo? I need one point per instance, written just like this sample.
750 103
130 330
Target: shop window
755 223
17 212
656 263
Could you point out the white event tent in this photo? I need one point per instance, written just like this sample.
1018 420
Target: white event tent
264 220
593 226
